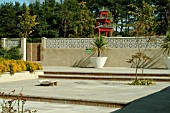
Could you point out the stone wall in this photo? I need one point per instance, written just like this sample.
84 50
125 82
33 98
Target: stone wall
66 51
117 57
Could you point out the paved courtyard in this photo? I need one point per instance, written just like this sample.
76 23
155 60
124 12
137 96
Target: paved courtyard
109 91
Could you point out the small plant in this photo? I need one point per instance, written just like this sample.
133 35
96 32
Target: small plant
31 67
12 69
142 82
99 45
166 45
14 105
136 59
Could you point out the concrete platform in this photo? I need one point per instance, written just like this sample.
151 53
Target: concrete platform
141 99
105 91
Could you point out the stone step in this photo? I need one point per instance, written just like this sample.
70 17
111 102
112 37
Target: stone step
111 78
66 101
106 73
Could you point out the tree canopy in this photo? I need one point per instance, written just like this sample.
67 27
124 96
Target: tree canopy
76 18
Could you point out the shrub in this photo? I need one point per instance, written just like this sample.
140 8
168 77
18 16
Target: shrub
16 105
14 66
31 66
2 68
6 64
38 66
12 53
142 82
22 65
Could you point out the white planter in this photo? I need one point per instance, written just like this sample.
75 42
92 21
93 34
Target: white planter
98 62
167 62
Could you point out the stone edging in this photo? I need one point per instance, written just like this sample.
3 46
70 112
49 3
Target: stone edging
25 75
67 101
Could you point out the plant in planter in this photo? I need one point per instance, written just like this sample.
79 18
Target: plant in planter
166 44
166 49
144 24
99 46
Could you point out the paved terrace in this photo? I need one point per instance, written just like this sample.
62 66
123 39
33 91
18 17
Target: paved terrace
91 90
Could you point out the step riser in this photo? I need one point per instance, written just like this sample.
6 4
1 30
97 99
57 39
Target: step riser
106 74
66 101
93 78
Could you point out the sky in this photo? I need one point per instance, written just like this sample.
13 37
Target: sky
21 1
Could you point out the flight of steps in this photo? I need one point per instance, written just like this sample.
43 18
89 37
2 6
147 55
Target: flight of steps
157 77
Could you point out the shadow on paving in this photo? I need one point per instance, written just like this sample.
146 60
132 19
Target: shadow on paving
158 102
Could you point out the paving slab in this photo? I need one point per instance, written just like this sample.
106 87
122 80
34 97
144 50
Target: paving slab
46 107
109 91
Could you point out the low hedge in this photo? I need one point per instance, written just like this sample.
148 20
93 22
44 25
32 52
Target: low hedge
14 66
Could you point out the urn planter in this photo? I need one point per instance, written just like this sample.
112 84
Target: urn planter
98 62
167 62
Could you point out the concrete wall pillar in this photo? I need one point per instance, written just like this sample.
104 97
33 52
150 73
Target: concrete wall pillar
43 47
43 42
3 42
23 48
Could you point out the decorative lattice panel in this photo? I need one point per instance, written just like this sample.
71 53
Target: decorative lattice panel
126 42
13 42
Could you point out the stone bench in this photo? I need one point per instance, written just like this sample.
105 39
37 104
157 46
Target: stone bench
53 83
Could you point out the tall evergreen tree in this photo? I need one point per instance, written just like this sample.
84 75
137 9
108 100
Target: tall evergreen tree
8 20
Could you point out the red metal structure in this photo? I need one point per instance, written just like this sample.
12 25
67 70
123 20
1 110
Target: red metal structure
103 23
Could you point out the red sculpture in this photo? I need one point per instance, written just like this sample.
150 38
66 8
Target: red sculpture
103 23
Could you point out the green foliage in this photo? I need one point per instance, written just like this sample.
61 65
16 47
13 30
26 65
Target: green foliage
84 25
166 45
8 23
66 19
27 23
14 66
11 69
137 58
99 45
144 19
32 67
33 40
142 82
12 53
83 62
29 67
144 25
